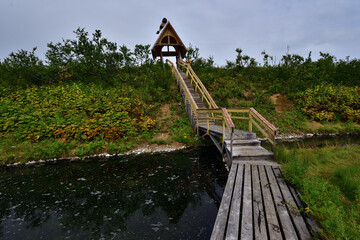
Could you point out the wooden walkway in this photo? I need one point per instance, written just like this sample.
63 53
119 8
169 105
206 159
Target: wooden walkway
245 144
257 203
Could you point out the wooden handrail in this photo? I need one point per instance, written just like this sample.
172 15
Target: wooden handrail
216 113
205 94
263 120
269 133
183 85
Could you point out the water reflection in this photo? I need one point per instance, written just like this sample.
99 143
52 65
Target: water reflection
167 196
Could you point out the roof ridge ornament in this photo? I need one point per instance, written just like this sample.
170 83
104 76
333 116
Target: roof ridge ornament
163 22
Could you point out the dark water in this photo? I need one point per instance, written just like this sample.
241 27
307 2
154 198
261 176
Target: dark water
163 196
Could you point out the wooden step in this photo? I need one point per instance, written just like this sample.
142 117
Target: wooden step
251 142
251 153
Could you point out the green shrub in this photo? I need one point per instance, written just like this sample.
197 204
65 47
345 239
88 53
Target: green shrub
327 102
72 112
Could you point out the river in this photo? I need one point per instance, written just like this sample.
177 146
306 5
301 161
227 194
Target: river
160 196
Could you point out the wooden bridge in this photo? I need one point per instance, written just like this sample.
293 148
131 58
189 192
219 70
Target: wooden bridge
257 203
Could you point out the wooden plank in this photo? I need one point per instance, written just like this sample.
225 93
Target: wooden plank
232 232
271 218
259 214
257 162
222 216
299 222
285 219
246 221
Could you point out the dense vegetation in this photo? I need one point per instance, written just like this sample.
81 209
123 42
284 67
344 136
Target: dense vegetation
329 181
91 95
325 90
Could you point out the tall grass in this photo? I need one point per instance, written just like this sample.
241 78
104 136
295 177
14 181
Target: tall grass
329 181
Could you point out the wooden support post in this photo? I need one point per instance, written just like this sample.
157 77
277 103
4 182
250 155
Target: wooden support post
250 122
223 139
231 145
197 123
207 124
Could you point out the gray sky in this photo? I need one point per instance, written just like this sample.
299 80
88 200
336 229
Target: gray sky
216 27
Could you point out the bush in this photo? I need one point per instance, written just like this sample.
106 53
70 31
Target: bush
327 102
73 112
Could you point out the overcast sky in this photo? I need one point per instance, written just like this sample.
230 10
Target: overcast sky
216 27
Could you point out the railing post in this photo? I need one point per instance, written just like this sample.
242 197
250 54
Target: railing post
250 122
207 124
197 123
223 139
231 145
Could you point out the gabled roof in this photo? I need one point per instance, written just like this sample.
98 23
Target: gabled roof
168 37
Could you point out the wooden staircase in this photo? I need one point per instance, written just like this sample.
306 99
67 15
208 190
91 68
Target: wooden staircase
257 203
245 144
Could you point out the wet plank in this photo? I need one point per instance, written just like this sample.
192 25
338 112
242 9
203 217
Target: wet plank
285 219
232 232
299 222
246 221
222 216
259 214
271 218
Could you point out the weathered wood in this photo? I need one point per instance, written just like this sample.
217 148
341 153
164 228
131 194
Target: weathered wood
222 216
232 232
299 222
240 142
271 218
259 213
251 151
257 203
285 219
257 162
246 221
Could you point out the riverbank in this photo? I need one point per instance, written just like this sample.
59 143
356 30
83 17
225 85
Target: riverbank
289 141
143 149
328 179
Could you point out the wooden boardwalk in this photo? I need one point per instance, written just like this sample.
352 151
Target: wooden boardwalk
257 203
245 144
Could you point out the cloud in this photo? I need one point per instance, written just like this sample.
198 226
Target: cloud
216 27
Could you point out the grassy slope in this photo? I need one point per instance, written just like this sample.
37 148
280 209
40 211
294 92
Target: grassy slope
231 88
74 119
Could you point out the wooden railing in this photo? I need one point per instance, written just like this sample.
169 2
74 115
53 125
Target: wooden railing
254 118
216 114
197 84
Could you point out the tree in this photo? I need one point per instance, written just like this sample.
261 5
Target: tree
86 57
192 53
127 56
142 54
23 67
